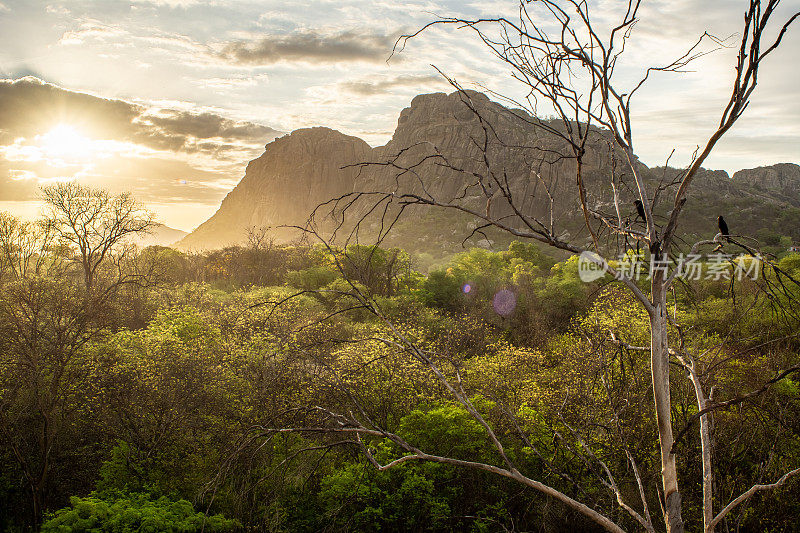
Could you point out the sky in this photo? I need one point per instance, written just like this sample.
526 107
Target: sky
170 99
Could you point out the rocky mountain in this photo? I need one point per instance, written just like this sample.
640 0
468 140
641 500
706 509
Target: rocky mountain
456 130
295 173
439 133
160 235
781 181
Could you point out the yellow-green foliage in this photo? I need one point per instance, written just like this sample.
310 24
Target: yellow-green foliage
181 401
134 513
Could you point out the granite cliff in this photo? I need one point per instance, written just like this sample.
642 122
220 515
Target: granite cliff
295 173
299 171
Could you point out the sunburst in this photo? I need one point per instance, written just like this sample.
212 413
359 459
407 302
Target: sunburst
65 142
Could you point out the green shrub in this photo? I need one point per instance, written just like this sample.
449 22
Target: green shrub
442 290
122 512
311 279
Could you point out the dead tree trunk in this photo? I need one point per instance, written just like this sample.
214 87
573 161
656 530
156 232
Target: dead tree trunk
659 362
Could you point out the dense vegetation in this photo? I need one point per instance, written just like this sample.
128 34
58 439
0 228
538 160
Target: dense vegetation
145 400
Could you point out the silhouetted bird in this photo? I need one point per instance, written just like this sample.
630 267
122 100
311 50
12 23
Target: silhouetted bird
640 209
724 234
723 227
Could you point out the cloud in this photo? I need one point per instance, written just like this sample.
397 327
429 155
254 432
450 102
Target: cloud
370 87
148 177
231 83
312 47
29 106
170 3
207 126
91 29
167 152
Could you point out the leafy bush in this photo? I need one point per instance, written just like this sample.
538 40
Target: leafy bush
441 290
416 496
121 512
311 279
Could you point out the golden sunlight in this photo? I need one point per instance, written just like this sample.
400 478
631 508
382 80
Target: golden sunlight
65 141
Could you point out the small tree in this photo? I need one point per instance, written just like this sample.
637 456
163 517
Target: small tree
25 248
48 313
95 222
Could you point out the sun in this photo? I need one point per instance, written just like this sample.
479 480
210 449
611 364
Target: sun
64 141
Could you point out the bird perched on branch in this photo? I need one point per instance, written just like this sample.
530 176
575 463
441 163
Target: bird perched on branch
723 235
723 227
639 210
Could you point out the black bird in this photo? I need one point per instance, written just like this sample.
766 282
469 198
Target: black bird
723 227
640 209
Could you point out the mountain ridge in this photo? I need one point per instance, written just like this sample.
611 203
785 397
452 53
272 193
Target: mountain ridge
310 166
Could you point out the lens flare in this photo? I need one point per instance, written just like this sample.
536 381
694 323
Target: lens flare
504 302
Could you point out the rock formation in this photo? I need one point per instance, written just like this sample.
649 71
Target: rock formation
159 235
299 171
782 179
295 173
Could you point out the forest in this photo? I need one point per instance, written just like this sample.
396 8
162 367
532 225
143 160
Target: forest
610 346
157 390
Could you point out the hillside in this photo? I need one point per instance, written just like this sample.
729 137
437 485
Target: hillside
160 235
295 173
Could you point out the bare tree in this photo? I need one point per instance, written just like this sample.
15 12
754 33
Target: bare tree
561 57
95 222
258 238
567 64
25 247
